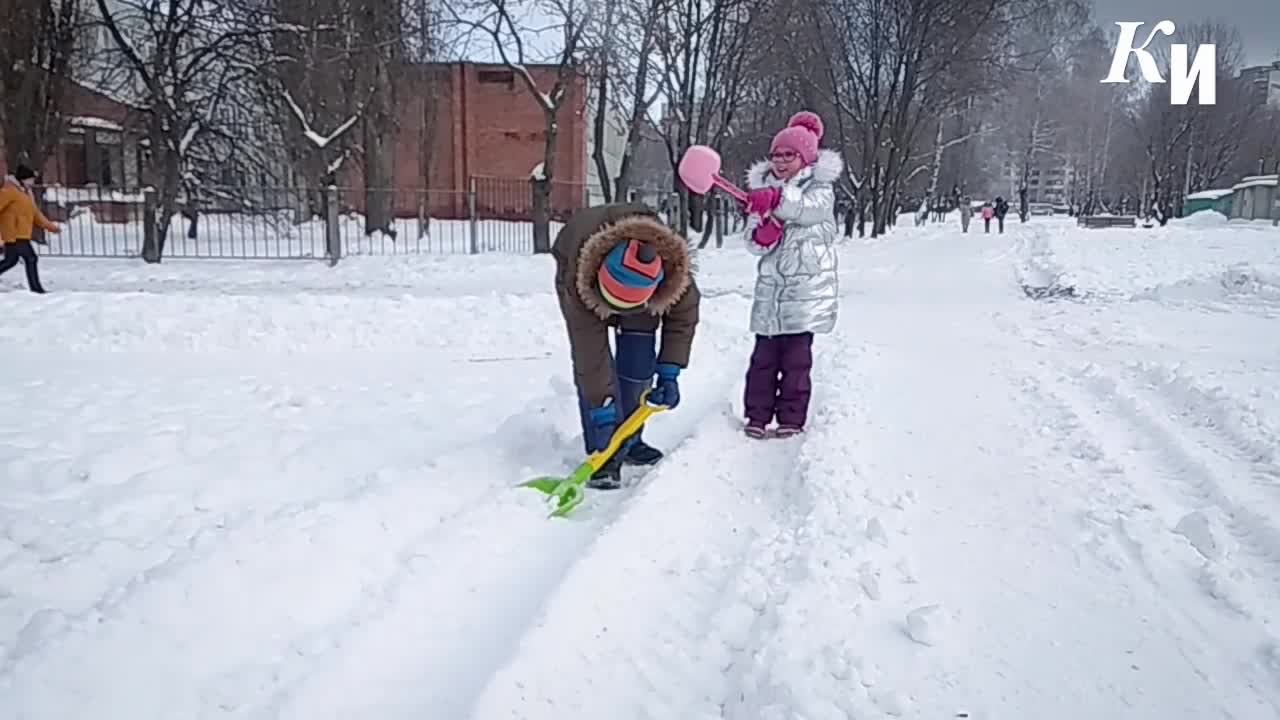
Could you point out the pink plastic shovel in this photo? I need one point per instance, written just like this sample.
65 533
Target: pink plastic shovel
700 171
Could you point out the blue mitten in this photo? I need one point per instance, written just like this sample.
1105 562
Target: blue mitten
666 389
604 421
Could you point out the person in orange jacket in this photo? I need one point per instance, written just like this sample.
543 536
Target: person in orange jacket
18 215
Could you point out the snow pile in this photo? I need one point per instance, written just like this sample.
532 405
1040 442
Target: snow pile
1183 262
1204 219
1240 283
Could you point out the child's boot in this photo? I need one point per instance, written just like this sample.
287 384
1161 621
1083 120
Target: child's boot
786 431
608 477
640 452
755 430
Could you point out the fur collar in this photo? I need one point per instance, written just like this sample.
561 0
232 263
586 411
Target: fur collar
673 249
826 170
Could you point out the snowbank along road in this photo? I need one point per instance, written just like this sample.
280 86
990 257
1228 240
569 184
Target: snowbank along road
286 491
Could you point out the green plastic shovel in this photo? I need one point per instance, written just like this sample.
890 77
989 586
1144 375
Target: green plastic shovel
568 491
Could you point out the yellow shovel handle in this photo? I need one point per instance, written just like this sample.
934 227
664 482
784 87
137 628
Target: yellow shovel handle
629 427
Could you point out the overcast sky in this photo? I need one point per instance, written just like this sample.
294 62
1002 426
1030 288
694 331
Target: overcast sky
1258 20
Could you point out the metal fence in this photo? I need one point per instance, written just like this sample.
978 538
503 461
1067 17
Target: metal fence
494 215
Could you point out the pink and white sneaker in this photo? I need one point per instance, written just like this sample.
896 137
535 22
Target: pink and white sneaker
756 431
786 431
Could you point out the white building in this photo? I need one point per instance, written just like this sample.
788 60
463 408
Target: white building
1265 80
615 146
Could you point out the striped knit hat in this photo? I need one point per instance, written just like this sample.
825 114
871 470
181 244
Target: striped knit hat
629 275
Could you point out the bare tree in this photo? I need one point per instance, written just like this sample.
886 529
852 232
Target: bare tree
897 74
38 42
312 88
378 29
186 57
703 47
622 81
501 21
422 48
1217 132
1185 145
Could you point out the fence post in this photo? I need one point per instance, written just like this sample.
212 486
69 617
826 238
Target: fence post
721 214
474 224
332 236
148 220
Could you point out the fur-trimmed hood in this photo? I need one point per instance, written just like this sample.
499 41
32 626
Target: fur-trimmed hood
677 263
826 170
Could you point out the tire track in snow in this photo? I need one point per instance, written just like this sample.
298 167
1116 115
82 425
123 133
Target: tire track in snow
1126 529
465 597
657 597
205 537
1203 480
416 644
219 568
801 657
1125 435
1212 421
1218 471
361 531
650 599
1242 434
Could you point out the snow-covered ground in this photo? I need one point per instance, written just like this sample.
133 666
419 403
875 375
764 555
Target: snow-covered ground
283 490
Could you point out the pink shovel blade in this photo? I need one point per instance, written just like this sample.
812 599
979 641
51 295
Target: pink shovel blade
699 168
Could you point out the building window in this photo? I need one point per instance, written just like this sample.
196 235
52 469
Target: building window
98 164
497 77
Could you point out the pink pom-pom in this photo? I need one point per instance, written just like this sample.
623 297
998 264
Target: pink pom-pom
807 120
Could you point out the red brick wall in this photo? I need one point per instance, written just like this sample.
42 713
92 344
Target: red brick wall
486 127
83 102
80 100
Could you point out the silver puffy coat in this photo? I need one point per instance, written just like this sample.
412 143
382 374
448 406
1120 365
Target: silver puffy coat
797 284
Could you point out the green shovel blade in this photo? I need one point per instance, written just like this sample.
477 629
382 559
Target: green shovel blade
567 491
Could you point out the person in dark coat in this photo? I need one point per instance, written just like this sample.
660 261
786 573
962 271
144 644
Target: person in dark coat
1002 209
619 266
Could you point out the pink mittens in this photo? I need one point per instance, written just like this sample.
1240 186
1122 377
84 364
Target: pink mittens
767 234
762 201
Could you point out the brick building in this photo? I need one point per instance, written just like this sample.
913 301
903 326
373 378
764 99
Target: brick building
101 146
97 161
461 125
482 128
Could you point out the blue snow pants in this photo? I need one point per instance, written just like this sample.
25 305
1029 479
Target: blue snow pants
634 362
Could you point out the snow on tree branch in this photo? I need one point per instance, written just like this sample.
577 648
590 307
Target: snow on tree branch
320 141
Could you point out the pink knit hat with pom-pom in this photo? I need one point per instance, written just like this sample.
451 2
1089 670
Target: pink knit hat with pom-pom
801 136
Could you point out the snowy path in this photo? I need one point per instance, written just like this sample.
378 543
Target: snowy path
271 504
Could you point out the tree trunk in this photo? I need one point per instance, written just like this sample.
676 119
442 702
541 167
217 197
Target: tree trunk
426 135
936 166
600 129
166 201
379 155
542 187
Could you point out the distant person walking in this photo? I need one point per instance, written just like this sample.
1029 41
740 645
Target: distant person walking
966 212
18 216
987 213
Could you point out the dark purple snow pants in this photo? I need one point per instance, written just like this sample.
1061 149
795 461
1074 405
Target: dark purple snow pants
778 383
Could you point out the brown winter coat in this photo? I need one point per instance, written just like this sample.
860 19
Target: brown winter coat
579 249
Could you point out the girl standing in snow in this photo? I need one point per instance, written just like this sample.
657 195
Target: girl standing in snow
796 292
